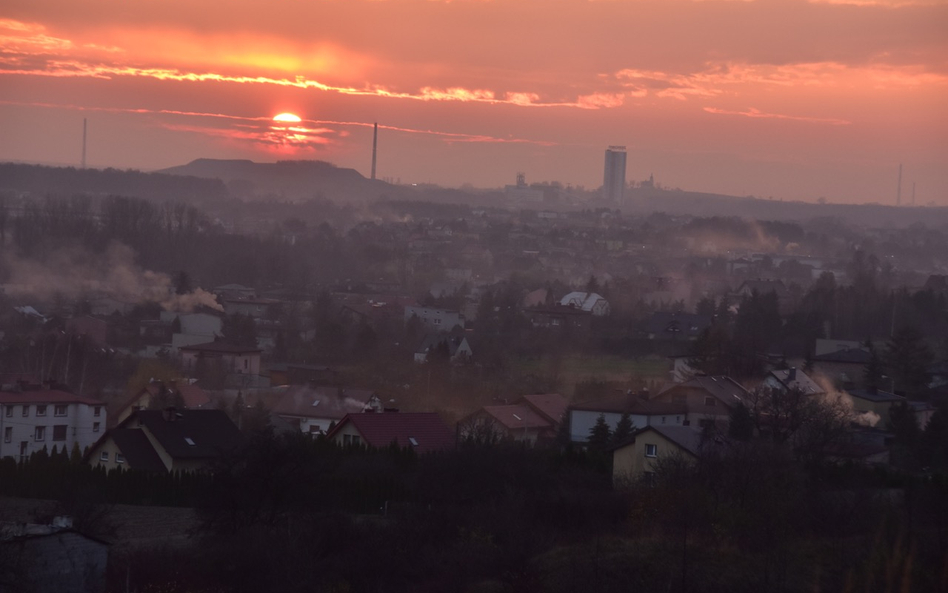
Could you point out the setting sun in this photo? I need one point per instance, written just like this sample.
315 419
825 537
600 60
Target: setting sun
289 118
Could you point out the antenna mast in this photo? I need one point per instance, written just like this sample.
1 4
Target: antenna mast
375 145
84 143
898 193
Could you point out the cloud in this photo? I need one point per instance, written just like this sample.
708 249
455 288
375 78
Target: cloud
757 114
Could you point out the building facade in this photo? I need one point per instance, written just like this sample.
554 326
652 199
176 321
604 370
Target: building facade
35 418
613 180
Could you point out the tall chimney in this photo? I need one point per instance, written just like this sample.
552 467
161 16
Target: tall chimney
898 194
83 143
375 145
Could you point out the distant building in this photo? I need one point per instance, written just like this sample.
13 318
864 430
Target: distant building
613 181
586 301
422 432
434 318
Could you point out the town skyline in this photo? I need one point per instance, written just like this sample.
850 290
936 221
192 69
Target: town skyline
795 100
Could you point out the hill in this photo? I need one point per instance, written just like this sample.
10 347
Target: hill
289 180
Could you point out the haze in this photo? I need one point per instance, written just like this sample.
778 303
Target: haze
790 99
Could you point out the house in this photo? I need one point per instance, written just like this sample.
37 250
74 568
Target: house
878 402
53 557
38 416
586 301
845 368
315 409
792 380
551 406
256 308
518 422
167 440
157 394
422 432
763 286
559 316
641 410
639 456
232 358
234 291
434 318
673 325
458 347
708 399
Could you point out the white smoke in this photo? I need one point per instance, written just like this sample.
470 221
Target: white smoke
77 273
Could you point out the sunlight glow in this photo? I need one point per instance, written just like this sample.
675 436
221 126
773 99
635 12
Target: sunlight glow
287 118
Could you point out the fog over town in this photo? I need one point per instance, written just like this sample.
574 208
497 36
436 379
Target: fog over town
287 306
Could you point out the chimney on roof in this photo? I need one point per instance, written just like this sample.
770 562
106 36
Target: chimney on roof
171 414
792 374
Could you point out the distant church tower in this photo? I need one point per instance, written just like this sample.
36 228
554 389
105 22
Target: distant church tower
613 179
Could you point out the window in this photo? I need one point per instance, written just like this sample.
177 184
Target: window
8 434
26 411
189 441
41 410
95 427
710 401
104 456
59 432
119 458
9 411
651 450
436 321
60 410
351 439
40 434
96 411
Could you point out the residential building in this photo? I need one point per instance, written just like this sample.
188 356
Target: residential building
422 432
315 409
38 417
792 380
442 320
641 410
639 456
586 301
458 347
675 325
233 358
157 394
167 440
708 399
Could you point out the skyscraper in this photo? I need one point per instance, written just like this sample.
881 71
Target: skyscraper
613 180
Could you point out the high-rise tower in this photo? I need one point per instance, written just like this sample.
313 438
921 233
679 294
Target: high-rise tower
613 179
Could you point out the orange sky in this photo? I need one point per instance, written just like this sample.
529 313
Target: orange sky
783 98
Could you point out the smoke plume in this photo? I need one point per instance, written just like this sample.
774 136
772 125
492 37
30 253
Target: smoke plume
75 274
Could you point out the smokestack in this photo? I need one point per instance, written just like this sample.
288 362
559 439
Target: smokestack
375 146
898 194
83 143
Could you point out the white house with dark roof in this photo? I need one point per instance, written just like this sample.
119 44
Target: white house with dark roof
641 410
708 399
792 380
586 301
37 417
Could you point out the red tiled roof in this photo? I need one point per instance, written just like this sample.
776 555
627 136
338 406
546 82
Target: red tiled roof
516 416
551 406
46 396
381 430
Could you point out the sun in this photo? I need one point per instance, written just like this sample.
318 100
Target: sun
288 118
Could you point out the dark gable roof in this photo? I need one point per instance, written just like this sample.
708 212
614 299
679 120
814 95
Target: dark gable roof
137 449
514 416
382 429
551 406
211 431
722 387
630 403
688 439
850 355
875 396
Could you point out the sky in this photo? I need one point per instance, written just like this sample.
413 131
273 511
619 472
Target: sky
782 99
